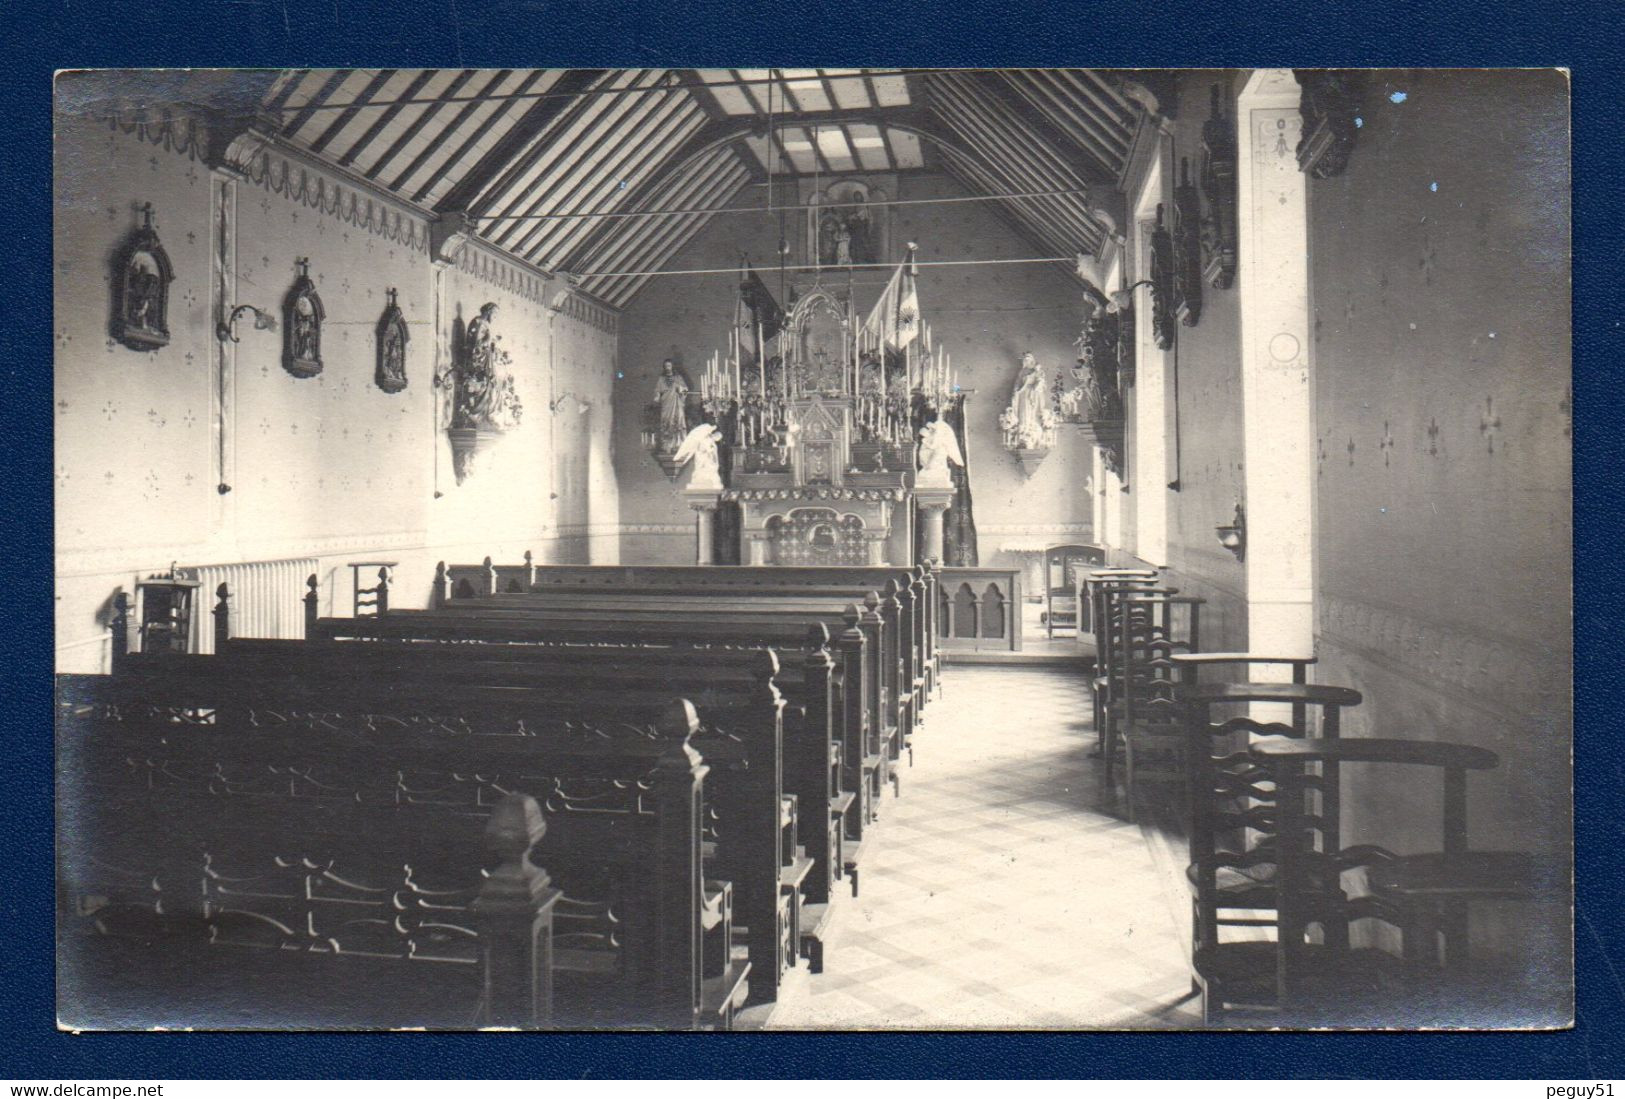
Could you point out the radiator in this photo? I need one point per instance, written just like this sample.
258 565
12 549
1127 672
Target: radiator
267 599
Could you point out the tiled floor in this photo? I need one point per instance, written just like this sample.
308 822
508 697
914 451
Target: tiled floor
1004 889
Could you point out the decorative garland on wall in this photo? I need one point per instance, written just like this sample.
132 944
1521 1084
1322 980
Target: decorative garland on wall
279 175
184 135
495 270
601 317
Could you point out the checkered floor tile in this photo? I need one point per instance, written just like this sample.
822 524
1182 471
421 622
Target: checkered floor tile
1005 888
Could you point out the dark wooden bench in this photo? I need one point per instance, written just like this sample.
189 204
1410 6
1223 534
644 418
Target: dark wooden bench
898 692
690 647
780 857
917 589
750 829
329 832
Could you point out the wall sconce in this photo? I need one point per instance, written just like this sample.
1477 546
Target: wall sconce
1234 536
227 329
557 403
1118 300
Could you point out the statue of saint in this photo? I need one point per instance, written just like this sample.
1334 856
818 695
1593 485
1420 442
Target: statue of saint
938 447
304 329
1029 422
394 365
482 343
478 393
670 391
700 447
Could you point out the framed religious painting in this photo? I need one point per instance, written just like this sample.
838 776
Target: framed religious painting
847 225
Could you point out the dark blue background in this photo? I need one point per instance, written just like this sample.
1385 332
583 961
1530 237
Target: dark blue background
499 33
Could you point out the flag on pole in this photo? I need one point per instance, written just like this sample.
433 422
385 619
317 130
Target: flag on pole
755 295
745 327
908 306
882 323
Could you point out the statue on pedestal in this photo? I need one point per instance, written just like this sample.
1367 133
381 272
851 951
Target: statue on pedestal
938 447
1029 421
671 392
700 447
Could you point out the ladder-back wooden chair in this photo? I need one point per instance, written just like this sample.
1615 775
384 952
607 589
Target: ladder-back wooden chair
1102 584
1232 823
1326 982
1145 721
1062 608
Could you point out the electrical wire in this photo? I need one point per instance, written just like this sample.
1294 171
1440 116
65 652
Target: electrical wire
948 200
586 275
742 82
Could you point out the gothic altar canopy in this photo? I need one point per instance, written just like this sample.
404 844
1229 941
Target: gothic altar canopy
818 414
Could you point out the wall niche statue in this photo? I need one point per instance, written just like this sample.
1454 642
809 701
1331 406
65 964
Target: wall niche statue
1028 422
484 401
1187 248
1329 105
141 278
303 316
392 340
1219 188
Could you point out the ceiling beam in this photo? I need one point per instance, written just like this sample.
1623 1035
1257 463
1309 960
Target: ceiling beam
636 235
526 190
658 253
314 103
491 119
1095 152
361 100
580 162
422 120
502 158
465 112
967 115
641 148
389 113
1113 141
295 77
1112 127
703 95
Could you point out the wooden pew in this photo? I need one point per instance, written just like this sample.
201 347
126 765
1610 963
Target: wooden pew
899 688
689 647
741 738
917 588
758 847
332 831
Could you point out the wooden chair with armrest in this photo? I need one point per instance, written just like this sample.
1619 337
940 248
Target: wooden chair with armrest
1144 716
1232 823
1328 982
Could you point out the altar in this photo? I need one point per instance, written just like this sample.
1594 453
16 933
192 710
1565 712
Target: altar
825 507
818 415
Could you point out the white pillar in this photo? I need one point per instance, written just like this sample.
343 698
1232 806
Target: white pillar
705 510
933 503
758 548
1148 468
877 549
1277 400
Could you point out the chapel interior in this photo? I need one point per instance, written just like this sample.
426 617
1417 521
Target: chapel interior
813 548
